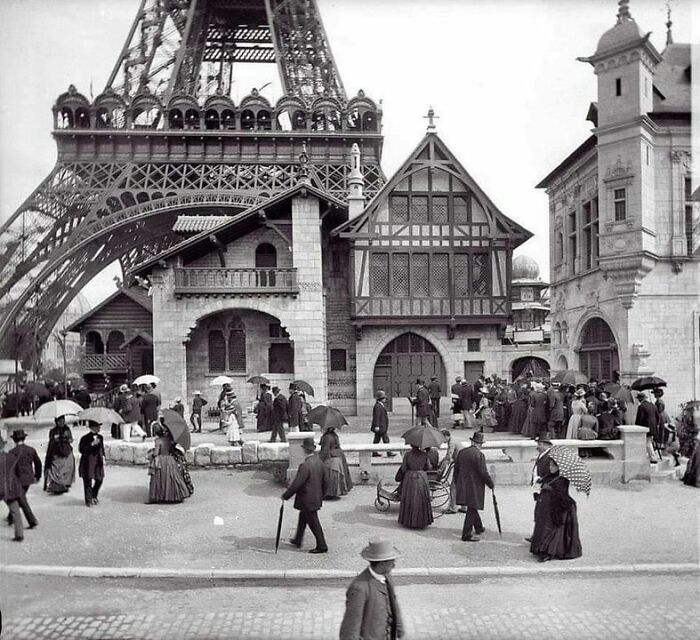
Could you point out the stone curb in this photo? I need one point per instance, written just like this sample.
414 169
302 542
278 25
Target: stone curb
294 575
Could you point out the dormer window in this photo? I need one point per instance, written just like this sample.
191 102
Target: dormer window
618 86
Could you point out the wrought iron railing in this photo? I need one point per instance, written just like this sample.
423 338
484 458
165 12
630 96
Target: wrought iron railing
222 280
103 362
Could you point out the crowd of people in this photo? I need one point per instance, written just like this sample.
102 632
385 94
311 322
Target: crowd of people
28 397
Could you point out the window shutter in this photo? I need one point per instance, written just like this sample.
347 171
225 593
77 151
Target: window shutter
217 351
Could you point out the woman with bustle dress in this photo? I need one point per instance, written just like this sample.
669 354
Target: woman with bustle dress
168 481
59 468
232 418
556 526
578 409
339 481
415 511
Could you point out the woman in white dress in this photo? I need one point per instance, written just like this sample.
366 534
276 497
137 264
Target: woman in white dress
232 418
578 409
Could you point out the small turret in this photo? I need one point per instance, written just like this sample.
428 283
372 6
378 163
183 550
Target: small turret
356 183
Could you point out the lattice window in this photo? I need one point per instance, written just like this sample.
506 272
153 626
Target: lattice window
399 275
480 274
419 209
379 274
402 343
461 210
461 275
236 350
440 274
440 210
217 351
339 360
473 344
399 208
420 276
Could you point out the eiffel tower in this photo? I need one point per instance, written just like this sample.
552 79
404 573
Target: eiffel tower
165 138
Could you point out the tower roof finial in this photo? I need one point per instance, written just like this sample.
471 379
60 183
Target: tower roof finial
431 117
669 35
624 11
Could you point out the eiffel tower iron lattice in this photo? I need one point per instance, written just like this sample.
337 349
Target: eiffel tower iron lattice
165 138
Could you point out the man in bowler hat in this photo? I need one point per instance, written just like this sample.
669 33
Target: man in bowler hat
92 468
309 486
371 609
380 423
11 490
29 471
471 476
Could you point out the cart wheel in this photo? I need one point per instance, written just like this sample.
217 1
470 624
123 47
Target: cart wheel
381 504
439 497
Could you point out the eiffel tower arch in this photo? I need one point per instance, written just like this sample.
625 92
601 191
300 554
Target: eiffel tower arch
165 138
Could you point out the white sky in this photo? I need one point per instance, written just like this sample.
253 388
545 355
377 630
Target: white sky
501 74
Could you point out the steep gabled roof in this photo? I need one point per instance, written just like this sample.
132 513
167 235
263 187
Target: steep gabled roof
574 156
133 293
228 229
433 152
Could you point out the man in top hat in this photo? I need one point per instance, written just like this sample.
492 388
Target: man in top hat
309 486
435 394
555 411
471 476
131 414
380 423
264 409
150 403
91 468
280 415
648 416
11 489
29 471
295 408
538 415
371 609
196 417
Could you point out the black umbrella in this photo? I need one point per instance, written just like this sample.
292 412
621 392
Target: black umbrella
498 515
258 380
178 427
648 382
279 527
304 386
326 417
423 437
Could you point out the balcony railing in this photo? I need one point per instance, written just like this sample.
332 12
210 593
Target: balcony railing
433 307
104 362
195 280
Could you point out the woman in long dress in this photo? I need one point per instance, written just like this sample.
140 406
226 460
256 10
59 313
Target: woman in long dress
578 409
167 480
556 526
232 418
339 481
518 413
59 468
415 511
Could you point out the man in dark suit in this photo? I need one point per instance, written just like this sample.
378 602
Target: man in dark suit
435 394
149 408
555 411
648 416
380 423
471 476
11 490
422 403
91 468
280 415
466 400
264 409
29 471
82 397
455 389
309 486
371 609
538 402
295 408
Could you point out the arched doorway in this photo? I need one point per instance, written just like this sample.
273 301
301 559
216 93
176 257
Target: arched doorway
265 263
562 363
402 361
598 354
529 367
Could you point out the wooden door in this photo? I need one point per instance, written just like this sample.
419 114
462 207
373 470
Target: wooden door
472 370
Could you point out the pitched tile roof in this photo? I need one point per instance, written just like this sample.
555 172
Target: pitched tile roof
197 224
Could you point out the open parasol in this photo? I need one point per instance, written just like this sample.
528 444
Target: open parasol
178 427
147 379
570 376
648 382
279 527
326 417
258 380
304 386
623 394
103 415
423 437
572 467
497 513
220 381
55 408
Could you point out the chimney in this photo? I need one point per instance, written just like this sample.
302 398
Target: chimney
356 198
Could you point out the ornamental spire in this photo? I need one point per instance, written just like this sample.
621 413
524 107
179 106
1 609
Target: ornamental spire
624 11
669 35
431 117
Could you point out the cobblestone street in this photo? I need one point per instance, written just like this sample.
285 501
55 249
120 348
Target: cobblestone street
575 608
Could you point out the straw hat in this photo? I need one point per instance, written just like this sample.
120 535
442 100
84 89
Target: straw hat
379 550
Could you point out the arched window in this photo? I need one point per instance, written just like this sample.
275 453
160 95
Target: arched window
247 120
598 353
556 333
298 120
318 121
354 119
564 333
93 343
82 118
369 121
236 348
264 121
265 255
211 119
175 120
217 351
64 120
115 342
192 119
228 119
